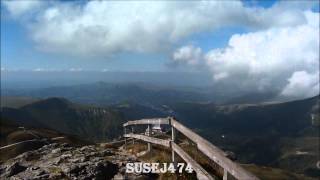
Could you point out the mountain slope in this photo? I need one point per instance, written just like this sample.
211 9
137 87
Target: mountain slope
281 135
249 119
15 140
16 101
59 114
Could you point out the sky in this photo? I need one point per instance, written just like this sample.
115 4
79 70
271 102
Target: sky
253 45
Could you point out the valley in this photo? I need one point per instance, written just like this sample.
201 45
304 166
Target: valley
278 135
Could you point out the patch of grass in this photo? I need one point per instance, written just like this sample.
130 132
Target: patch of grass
55 170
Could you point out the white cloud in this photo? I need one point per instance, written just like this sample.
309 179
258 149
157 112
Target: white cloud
302 84
39 70
75 69
188 55
57 70
20 7
284 38
275 51
45 70
264 60
221 75
103 28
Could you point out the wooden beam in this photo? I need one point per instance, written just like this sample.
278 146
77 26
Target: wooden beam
148 121
214 153
125 139
173 139
201 173
225 174
149 134
153 140
132 131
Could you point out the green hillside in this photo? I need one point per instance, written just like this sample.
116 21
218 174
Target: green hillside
88 122
280 135
11 133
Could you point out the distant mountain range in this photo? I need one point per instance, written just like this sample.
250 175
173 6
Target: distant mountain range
102 93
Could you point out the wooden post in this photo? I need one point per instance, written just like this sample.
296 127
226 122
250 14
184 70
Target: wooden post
173 139
225 174
132 133
125 139
149 134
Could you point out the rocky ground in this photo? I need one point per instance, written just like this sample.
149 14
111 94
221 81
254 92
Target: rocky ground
61 161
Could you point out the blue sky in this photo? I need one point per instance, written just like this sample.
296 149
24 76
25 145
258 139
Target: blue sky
18 51
251 45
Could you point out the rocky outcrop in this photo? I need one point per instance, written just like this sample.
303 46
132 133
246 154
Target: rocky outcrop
61 161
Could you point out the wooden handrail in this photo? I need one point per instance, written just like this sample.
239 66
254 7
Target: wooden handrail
153 140
147 121
201 173
211 151
214 153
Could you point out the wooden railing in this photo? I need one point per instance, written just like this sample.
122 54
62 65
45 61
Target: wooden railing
211 151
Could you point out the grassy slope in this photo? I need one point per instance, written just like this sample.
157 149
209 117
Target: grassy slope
89 122
11 133
268 135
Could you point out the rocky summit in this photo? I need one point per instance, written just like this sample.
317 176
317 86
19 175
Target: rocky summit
61 161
